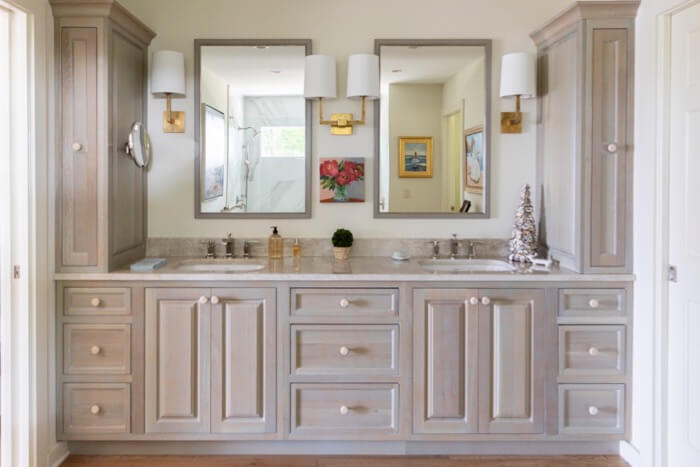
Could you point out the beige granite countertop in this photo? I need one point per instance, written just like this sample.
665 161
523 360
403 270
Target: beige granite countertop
327 269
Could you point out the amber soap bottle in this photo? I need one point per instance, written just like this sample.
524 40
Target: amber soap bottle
275 245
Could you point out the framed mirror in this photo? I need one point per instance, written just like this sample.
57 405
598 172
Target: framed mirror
253 131
432 146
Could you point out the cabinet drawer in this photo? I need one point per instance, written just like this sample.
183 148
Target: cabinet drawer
347 411
597 303
591 350
96 408
96 349
591 408
345 302
86 301
348 350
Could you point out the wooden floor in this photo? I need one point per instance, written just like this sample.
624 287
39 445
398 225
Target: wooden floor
344 461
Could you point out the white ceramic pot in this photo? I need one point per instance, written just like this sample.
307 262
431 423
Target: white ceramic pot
341 253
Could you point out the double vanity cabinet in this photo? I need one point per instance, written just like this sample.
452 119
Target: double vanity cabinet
511 358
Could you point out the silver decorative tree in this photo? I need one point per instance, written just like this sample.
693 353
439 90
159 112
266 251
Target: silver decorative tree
523 242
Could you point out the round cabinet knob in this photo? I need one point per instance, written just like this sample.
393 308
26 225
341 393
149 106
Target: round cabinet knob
593 351
95 350
485 300
203 300
593 303
77 146
344 410
344 303
593 410
95 409
473 301
612 147
95 302
215 299
344 351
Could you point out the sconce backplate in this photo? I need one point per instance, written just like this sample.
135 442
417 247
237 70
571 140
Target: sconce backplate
511 122
178 122
341 130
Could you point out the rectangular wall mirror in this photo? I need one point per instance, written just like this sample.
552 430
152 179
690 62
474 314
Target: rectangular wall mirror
433 138
253 131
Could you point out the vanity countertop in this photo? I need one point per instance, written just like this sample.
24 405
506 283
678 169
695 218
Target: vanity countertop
326 269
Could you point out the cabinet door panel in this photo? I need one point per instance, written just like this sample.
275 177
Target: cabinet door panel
511 362
243 361
177 361
445 361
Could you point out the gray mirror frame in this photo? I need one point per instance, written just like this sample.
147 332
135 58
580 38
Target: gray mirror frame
198 44
487 44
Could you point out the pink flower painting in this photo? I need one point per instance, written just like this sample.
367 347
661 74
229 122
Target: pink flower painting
342 180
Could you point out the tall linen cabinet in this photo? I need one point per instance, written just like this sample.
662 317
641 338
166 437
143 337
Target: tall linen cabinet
101 63
585 132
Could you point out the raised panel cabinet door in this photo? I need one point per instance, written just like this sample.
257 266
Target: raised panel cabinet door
445 361
511 361
77 172
609 149
177 360
243 342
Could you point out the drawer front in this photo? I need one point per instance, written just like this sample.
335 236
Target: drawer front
96 349
345 302
345 349
345 411
85 301
591 408
591 350
96 408
598 303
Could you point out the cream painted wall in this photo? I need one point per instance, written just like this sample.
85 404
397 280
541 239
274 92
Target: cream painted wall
340 29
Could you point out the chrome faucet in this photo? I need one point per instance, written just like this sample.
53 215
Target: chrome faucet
454 247
471 250
247 248
436 248
228 241
211 249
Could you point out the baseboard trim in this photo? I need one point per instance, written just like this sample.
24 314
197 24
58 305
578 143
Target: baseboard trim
630 454
342 448
59 453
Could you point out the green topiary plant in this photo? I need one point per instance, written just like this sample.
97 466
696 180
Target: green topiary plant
342 238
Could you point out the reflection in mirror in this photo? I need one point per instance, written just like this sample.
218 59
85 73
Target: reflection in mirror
433 128
138 146
254 143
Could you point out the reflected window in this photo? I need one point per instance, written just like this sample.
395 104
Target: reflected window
282 141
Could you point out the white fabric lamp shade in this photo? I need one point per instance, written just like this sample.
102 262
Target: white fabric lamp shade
363 76
518 75
319 77
168 73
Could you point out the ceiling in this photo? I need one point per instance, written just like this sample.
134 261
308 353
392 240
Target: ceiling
426 64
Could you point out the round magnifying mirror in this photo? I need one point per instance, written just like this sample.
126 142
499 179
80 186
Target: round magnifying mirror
139 145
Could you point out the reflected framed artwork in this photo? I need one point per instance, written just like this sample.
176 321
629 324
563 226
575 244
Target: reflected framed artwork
474 159
415 157
342 180
213 151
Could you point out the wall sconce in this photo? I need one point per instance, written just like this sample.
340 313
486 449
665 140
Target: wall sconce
320 83
517 79
168 79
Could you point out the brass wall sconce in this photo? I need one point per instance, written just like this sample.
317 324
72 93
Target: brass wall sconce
517 79
320 83
168 79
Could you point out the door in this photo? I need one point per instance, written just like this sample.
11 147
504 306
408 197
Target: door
445 361
511 361
177 360
243 340
684 249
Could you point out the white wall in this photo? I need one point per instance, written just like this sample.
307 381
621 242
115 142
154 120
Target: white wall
340 29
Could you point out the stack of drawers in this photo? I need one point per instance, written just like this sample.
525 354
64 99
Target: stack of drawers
94 331
593 368
344 363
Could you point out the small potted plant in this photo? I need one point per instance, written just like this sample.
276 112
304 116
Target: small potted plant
342 243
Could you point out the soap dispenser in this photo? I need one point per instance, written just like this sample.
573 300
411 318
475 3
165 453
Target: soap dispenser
275 245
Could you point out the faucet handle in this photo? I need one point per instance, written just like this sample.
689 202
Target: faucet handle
228 238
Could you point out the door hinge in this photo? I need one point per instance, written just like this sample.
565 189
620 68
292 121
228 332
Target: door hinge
672 274
16 271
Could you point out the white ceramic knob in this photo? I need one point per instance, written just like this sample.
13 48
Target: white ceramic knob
203 300
344 410
95 302
593 410
474 301
485 300
77 146
612 147
215 299
95 349
344 351
344 303
593 351
593 303
95 409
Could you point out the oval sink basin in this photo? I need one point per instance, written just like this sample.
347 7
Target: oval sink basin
220 267
466 265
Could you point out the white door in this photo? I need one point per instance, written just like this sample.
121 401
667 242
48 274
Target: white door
684 241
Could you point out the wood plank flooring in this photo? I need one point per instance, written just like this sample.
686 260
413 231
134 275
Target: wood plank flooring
344 461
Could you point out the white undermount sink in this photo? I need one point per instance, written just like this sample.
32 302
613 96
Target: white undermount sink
220 267
465 265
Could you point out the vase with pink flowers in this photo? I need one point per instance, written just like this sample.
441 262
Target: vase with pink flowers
337 175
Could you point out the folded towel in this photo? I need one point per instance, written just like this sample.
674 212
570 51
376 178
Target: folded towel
148 264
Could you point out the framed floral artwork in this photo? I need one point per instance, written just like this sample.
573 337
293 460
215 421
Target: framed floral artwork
342 180
474 169
415 157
